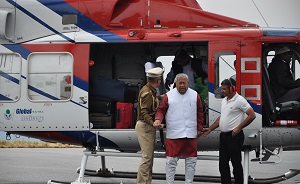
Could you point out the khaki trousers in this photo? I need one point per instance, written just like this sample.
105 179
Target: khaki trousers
146 137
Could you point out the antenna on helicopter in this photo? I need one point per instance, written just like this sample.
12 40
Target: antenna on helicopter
260 13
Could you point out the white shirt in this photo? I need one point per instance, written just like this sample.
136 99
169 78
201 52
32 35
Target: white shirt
233 112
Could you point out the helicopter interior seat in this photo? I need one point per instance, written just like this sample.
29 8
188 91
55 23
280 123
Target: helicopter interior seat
273 108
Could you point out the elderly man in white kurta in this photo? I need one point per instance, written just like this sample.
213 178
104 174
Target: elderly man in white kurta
183 111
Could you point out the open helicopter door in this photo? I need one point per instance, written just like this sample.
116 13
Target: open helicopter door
238 61
44 87
222 55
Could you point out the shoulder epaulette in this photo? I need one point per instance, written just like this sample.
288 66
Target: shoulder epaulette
144 94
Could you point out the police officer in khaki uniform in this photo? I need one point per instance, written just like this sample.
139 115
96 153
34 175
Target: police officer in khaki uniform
145 129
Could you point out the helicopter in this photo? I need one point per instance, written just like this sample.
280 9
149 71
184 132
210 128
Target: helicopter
67 67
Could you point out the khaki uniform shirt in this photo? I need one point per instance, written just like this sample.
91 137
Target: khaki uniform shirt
148 103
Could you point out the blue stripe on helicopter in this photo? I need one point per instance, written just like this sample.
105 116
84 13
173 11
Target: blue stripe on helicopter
39 20
280 31
60 7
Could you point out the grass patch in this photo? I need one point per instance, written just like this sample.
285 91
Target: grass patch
30 144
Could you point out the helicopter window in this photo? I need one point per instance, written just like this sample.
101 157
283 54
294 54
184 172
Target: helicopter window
270 56
10 67
224 69
295 64
167 65
50 76
69 19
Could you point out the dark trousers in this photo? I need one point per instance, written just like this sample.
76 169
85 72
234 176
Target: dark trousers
230 148
291 95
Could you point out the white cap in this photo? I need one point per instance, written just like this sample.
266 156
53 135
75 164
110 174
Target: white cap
282 50
155 72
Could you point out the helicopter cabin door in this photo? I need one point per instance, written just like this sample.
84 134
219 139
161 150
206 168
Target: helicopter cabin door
223 64
238 61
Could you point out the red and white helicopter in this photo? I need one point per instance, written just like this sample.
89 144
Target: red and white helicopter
71 70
